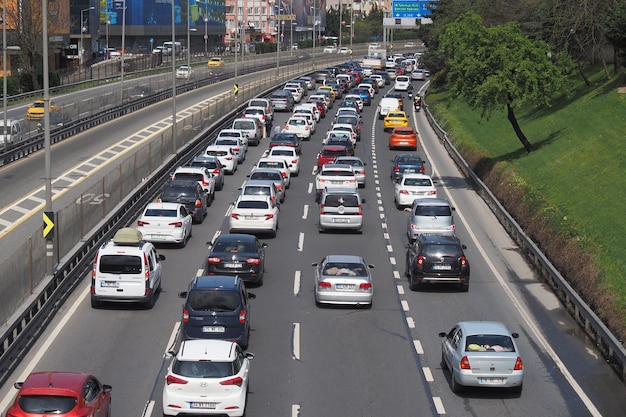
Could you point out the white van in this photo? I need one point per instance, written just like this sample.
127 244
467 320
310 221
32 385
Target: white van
167 48
250 127
386 105
126 269
12 134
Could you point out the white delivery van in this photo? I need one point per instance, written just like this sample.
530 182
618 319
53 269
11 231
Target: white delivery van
386 105
126 269
12 133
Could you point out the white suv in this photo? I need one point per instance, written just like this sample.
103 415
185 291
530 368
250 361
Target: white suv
338 176
300 126
402 83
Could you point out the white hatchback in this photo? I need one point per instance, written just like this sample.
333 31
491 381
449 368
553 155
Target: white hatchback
236 144
207 376
336 176
412 186
165 223
254 214
299 126
290 156
226 156
402 83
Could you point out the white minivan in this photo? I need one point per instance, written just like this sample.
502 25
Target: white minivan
386 105
12 133
126 269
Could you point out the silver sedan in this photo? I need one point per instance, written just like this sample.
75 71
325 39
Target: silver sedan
343 279
482 354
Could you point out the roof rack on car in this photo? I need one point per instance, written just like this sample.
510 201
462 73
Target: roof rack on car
127 236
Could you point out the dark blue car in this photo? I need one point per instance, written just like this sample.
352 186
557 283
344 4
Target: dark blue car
364 94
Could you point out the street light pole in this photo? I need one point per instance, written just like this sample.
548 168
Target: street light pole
4 73
107 28
278 8
188 40
82 30
206 33
340 23
173 51
46 129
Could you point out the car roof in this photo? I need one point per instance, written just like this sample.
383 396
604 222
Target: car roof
207 349
430 202
483 327
190 168
218 148
181 183
254 197
344 258
170 206
337 167
54 382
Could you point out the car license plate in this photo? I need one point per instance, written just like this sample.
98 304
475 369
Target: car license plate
213 329
157 237
203 405
249 217
491 381
409 170
109 284
336 182
442 267
345 287
232 265
340 220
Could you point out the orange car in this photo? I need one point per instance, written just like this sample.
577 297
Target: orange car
403 137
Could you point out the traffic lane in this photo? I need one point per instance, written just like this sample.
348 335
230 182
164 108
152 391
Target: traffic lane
428 308
562 333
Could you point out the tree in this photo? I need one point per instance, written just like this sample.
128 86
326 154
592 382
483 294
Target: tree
495 67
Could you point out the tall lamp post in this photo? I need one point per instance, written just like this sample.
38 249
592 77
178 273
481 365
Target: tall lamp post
206 34
107 30
5 48
82 30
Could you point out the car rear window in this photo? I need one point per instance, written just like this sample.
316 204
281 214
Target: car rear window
42 404
282 152
337 173
172 193
347 120
208 164
333 152
227 142
120 264
161 213
244 125
234 247
345 269
229 135
256 190
442 251
266 176
420 182
217 153
198 369
435 211
246 204
188 176
348 200
203 300
271 164
489 343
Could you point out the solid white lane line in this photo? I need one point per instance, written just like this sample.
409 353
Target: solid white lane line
149 409
295 410
172 339
216 235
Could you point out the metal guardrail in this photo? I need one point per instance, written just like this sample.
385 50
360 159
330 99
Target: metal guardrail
609 346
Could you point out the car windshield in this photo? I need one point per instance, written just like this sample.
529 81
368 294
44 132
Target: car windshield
120 264
203 369
203 300
47 404
345 269
161 212
489 343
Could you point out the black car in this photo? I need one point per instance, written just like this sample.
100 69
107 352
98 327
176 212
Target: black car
287 139
213 165
217 307
437 259
237 254
190 194
406 162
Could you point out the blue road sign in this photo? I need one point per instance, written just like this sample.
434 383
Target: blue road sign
410 8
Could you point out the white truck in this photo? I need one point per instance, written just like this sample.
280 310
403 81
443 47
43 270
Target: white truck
373 62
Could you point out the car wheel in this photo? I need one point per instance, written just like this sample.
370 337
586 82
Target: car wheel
398 206
464 287
518 389
95 303
455 386
150 303
444 365
414 285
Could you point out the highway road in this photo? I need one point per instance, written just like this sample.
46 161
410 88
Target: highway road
327 362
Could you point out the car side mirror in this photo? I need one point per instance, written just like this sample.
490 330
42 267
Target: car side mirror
464 247
442 334
161 257
183 294
265 245
407 209
314 264
515 335
170 353
251 295
362 200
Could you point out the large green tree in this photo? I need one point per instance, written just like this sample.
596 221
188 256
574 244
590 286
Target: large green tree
495 67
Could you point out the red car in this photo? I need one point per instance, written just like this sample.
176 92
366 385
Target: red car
68 394
328 154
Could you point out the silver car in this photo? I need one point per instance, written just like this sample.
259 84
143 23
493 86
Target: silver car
341 209
429 215
482 354
358 166
343 279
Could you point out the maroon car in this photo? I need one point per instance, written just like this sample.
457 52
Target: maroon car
328 154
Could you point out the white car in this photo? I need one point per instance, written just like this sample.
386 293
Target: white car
226 156
345 127
347 111
356 98
369 87
358 166
279 164
165 223
344 50
330 49
233 133
254 214
336 176
307 114
207 376
418 74
200 174
299 126
236 144
184 72
313 107
290 156
412 186
263 102
325 98
296 93
258 112
402 83
379 80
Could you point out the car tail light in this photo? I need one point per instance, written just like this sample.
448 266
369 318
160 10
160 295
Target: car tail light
242 316
321 208
93 267
185 315
324 284
362 172
233 381
176 224
451 227
236 150
420 260
279 187
422 169
147 273
269 216
234 215
198 203
366 286
229 158
141 223
463 262
405 192
360 213
431 192
216 171
284 174
352 181
306 127
253 261
518 364
396 168
205 183
287 127
171 379
465 363
213 260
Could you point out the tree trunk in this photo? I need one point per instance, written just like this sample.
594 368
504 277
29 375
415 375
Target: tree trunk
520 135
582 74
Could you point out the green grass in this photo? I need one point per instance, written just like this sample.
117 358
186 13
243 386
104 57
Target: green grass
577 168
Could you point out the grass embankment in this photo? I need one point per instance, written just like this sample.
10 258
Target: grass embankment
569 193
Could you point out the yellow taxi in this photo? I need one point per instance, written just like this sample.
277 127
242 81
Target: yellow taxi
36 110
215 62
329 88
395 119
